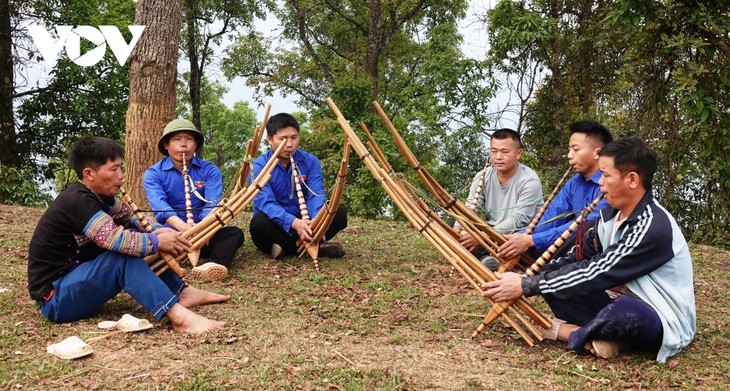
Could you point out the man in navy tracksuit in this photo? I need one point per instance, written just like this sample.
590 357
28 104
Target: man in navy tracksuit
635 250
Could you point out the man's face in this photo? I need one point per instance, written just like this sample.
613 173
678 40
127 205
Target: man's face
583 154
106 179
616 187
290 135
179 143
504 154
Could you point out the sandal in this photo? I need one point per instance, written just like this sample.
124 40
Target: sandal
128 324
603 349
210 271
70 348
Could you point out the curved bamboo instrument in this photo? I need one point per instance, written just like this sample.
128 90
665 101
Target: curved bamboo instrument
311 247
440 238
226 209
326 215
193 256
531 227
500 307
252 146
482 232
169 260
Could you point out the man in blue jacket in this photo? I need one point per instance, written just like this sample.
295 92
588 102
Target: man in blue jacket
277 221
586 140
164 184
635 250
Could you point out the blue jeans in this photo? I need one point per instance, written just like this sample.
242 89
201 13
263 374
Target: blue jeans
80 293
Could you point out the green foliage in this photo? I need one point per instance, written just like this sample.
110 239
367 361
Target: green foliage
18 187
77 100
403 54
226 129
657 70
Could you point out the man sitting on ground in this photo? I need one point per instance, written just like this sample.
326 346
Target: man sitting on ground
635 249
511 193
164 184
83 252
586 140
277 222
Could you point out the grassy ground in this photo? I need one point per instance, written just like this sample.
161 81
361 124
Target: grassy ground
390 316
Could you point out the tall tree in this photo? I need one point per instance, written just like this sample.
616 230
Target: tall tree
152 80
674 87
573 51
404 54
8 155
226 129
653 69
206 24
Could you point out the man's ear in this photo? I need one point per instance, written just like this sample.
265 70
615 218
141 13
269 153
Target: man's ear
634 180
88 173
596 151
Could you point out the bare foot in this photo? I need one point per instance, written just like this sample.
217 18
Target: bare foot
191 296
185 321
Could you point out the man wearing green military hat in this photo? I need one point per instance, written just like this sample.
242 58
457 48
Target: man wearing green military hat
182 189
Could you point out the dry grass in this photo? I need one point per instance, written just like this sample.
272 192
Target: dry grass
387 316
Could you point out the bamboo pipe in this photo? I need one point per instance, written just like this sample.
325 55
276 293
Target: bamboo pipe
252 147
544 258
380 156
390 187
324 218
538 216
167 258
234 205
311 247
300 193
475 198
193 256
531 227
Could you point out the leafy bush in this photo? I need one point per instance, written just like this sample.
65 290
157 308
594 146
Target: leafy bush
18 187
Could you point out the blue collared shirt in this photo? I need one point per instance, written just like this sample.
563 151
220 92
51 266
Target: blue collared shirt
575 195
278 198
165 188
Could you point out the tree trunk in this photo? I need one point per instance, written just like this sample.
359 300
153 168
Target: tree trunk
195 70
8 148
152 79
373 49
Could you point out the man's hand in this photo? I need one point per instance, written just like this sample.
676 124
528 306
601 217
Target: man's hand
303 229
467 241
172 242
508 286
516 245
162 230
178 224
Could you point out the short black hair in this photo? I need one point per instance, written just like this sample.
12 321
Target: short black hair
94 152
632 154
506 133
592 130
281 121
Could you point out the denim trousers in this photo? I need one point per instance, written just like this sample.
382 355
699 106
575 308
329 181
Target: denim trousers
81 293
